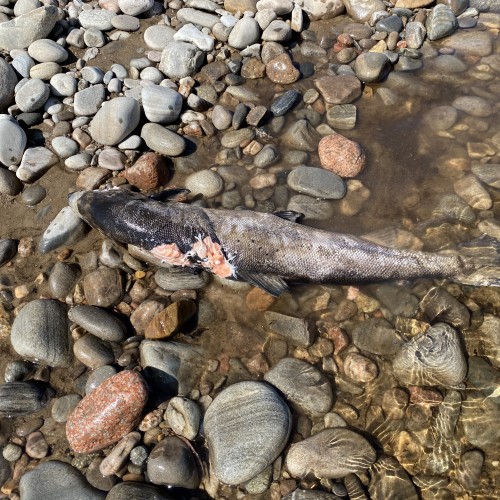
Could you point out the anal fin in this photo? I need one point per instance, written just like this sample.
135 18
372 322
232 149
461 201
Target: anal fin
290 215
273 285
177 194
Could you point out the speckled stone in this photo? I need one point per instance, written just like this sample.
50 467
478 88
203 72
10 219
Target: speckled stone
281 70
103 287
341 155
108 413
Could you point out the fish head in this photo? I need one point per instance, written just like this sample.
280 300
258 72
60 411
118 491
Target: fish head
119 214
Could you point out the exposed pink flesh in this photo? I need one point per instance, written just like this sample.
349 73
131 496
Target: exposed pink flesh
216 262
171 254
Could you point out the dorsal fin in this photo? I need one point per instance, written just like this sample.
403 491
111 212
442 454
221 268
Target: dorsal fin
177 194
290 215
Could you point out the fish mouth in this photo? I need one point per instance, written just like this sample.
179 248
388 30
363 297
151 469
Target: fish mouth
73 201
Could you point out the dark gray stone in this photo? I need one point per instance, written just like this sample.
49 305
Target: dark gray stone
389 24
99 322
137 491
33 195
441 22
63 278
22 398
8 249
285 102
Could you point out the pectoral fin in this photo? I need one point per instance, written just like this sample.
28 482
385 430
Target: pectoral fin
273 285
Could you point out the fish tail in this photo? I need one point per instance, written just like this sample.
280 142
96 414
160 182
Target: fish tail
481 259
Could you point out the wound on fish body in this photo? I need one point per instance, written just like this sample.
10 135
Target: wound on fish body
267 249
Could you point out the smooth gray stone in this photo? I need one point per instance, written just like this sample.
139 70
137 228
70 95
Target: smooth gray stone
303 385
137 491
24 6
126 23
376 336
176 278
41 331
332 453
32 95
285 102
449 64
441 22
477 43
317 182
62 279
188 15
88 101
22 398
35 162
46 50
246 32
362 10
23 64
342 116
171 368
183 416
389 24
221 117
97 18
297 331
66 228
17 371
21 31
371 66
33 195
115 120
408 64
98 376
398 299
93 351
312 208
300 135
277 31
163 140
65 147
191 34
8 82
205 182
156 37
93 74
441 117
180 59
172 463
8 249
57 481
415 34
10 185
99 322
473 105
161 104
63 406
63 85
266 156
252 415
489 173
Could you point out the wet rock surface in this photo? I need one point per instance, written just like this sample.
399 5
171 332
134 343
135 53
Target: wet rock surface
368 118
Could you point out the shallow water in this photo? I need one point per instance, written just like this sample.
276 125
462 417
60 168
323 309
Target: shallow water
406 180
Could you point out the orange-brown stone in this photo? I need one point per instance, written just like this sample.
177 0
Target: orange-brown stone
281 70
341 155
170 320
150 171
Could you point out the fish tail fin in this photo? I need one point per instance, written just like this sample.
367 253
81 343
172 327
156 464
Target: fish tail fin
481 259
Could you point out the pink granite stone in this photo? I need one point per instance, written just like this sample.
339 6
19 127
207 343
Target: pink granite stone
108 413
341 155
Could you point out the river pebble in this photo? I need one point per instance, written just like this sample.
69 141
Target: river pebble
115 120
254 415
172 463
317 182
103 287
137 491
55 479
162 140
93 351
342 89
21 31
88 101
341 155
180 59
360 368
22 398
161 104
433 357
41 331
8 249
98 376
8 81
99 322
473 105
173 319
108 413
32 95
183 416
282 70
206 182
332 453
64 406
180 279
118 456
14 143
63 278
371 66
303 385
65 229
441 22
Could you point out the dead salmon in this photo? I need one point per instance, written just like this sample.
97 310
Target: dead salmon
267 250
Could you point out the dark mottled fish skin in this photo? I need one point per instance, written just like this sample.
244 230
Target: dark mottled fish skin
264 244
